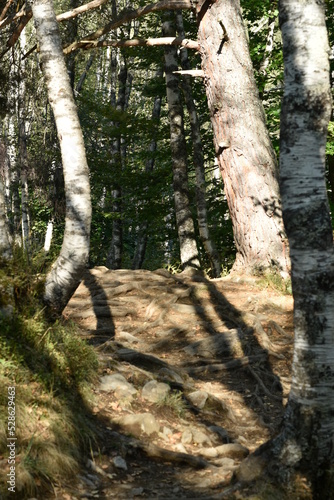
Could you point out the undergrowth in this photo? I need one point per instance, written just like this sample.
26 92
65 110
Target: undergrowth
51 369
273 280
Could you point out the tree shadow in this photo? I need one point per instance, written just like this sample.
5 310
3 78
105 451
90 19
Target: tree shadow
105 326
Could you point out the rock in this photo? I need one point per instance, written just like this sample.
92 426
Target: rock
180 448
142 422
208 452
167 431
92 465
200 438
116 381
198 398
187 436
232 450
225 462
127 337
251 468
136 492
154 391
124 395
120 463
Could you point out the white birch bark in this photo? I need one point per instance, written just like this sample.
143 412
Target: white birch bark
307 435
67 270
309 424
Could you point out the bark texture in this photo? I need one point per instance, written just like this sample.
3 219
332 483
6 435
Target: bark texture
185 225
67 270
114 257
307 435
243 148
308 430
142 238
5 247
198 158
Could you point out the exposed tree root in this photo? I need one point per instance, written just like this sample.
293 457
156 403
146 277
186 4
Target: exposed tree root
229 365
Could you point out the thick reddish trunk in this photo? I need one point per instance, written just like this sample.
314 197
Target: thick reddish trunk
243 147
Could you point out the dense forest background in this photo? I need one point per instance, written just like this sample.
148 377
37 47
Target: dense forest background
127 144
162 123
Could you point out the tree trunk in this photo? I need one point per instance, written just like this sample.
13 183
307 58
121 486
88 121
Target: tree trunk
185 225
307 436
24 185
114 257
243 148
67 270
5 247
139 255
202 213
306 111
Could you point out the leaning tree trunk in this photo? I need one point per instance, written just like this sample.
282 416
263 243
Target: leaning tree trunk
67 270
243 148
307 436
198 158
184 222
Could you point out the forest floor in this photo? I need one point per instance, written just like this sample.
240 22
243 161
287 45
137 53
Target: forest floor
194 375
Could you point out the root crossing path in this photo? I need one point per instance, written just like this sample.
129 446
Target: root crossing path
194 374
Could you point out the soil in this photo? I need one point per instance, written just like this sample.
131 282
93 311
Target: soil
230 338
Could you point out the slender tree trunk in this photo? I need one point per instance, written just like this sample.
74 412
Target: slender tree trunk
185 225
84 74
307 436
139 255
114 257
243 148
202 212
67 270
5 247
24 185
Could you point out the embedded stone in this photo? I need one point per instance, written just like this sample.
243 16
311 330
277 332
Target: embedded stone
154 391
198 398
116 381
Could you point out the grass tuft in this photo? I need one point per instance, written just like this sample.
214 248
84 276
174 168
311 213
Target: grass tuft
52 370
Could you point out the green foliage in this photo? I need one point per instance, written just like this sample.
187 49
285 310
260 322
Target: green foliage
273 280
51 368
175 402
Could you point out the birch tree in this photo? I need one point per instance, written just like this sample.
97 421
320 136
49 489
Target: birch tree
307 435
68 268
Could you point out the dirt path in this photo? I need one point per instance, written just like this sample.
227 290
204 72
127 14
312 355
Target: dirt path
194 376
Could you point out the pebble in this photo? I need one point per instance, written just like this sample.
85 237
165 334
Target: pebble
120 463
187 437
